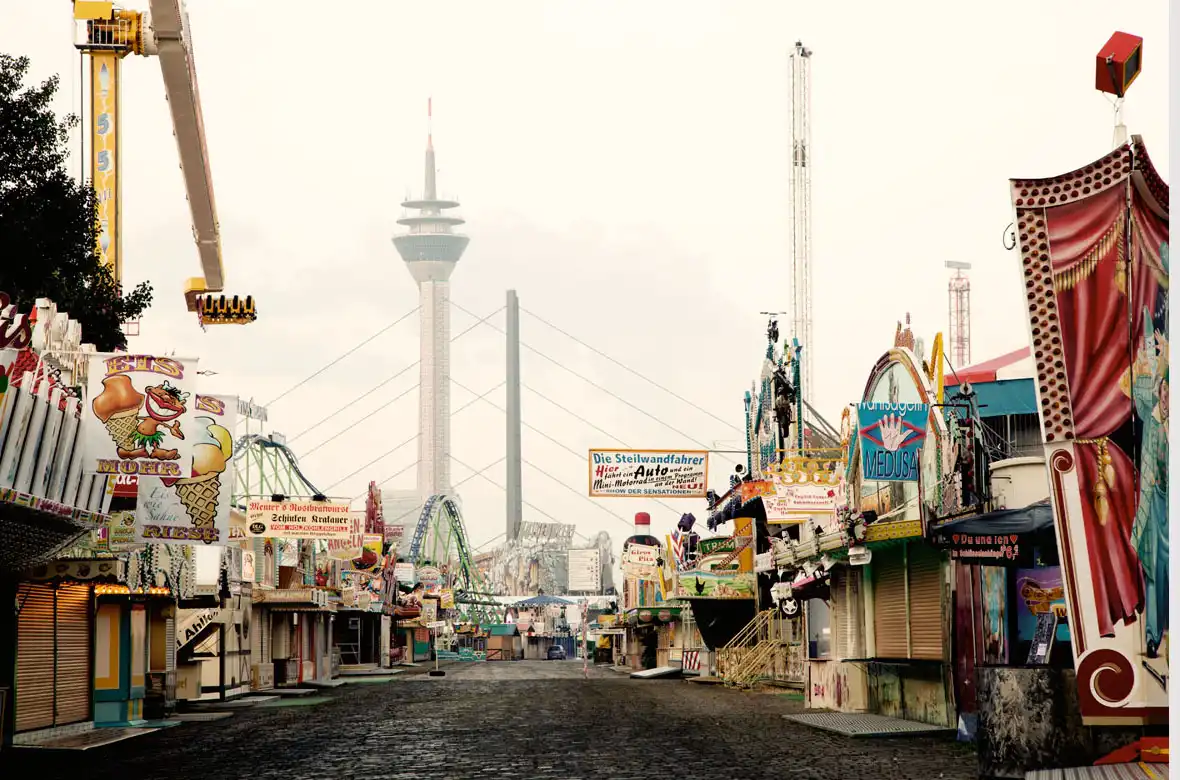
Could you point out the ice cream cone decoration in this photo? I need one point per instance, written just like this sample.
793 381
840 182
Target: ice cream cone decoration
117 406
200 496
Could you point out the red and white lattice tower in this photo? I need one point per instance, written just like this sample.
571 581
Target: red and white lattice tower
959 305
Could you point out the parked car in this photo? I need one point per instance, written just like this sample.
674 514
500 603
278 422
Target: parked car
555 653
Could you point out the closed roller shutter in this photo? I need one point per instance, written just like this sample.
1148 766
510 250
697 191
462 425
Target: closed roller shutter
280 635
74 679
889 597
34 658
170 644
847 616
926 623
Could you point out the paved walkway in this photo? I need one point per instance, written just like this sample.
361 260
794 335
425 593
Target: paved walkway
530 720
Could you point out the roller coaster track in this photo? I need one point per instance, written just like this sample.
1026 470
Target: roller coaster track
270 467
469 583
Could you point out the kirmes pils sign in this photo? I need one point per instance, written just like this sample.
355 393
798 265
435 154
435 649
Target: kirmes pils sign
648 473
194 509
140 418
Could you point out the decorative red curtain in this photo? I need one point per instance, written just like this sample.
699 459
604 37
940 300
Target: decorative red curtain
1087 250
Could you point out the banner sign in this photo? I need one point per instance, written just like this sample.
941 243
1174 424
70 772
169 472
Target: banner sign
140 418
194 509
990 549
403 572
798 498
299 519
649 473
891 439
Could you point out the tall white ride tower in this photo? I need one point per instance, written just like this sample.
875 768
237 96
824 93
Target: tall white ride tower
430 248
801 323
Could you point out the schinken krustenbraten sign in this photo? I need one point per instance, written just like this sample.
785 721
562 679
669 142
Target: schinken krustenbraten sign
649 473
299 519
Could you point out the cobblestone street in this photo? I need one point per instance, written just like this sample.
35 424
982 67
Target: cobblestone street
519 720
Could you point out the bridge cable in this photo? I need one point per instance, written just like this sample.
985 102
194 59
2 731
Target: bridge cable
627 368
381 384
597 386
407 441
579 455
304 381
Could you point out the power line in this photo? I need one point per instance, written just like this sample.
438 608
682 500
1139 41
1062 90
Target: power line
353 401
407 441
366 418
468 478
620 518
599 387
627 368
301 383
579 455
379 385
534 507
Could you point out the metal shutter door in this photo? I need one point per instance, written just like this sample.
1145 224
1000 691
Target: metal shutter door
838 618
849 640
74 678
34 658
889 604
170 644
263 624
926 602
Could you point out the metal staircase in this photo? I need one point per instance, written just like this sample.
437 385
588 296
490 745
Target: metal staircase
756 652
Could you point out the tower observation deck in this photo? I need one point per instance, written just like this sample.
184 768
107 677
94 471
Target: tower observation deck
430 248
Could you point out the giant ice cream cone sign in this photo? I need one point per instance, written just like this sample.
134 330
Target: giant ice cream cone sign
194 509
140 416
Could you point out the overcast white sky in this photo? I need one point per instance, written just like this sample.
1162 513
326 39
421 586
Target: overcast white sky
624 166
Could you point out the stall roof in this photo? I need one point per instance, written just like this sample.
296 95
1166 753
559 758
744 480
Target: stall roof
1026 520
543 600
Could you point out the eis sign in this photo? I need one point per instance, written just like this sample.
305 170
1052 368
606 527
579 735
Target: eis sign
891 440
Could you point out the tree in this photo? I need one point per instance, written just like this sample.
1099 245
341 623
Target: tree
49 221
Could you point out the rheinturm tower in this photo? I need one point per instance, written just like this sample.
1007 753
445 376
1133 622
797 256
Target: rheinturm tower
430 248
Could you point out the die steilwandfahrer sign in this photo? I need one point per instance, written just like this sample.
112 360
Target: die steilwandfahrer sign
649 473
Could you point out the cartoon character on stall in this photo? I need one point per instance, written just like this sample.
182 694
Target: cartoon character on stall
140 435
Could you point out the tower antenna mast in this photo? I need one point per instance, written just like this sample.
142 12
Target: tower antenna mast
959 313
801 209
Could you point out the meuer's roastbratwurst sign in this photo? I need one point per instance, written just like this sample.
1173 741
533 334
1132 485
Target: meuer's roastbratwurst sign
298 519
649 473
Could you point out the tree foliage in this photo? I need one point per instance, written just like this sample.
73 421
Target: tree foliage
49 221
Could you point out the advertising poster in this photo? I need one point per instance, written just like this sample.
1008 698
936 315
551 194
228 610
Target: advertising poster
640 560
431 579
141 417
1039 591
370 560
891 439
707 585
649 473
403 572
299 519
194 509
352 547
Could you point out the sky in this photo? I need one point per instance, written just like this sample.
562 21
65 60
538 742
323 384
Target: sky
624 167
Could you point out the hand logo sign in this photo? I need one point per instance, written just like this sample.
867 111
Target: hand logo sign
893 432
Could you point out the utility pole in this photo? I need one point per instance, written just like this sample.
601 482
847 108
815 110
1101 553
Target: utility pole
512 484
